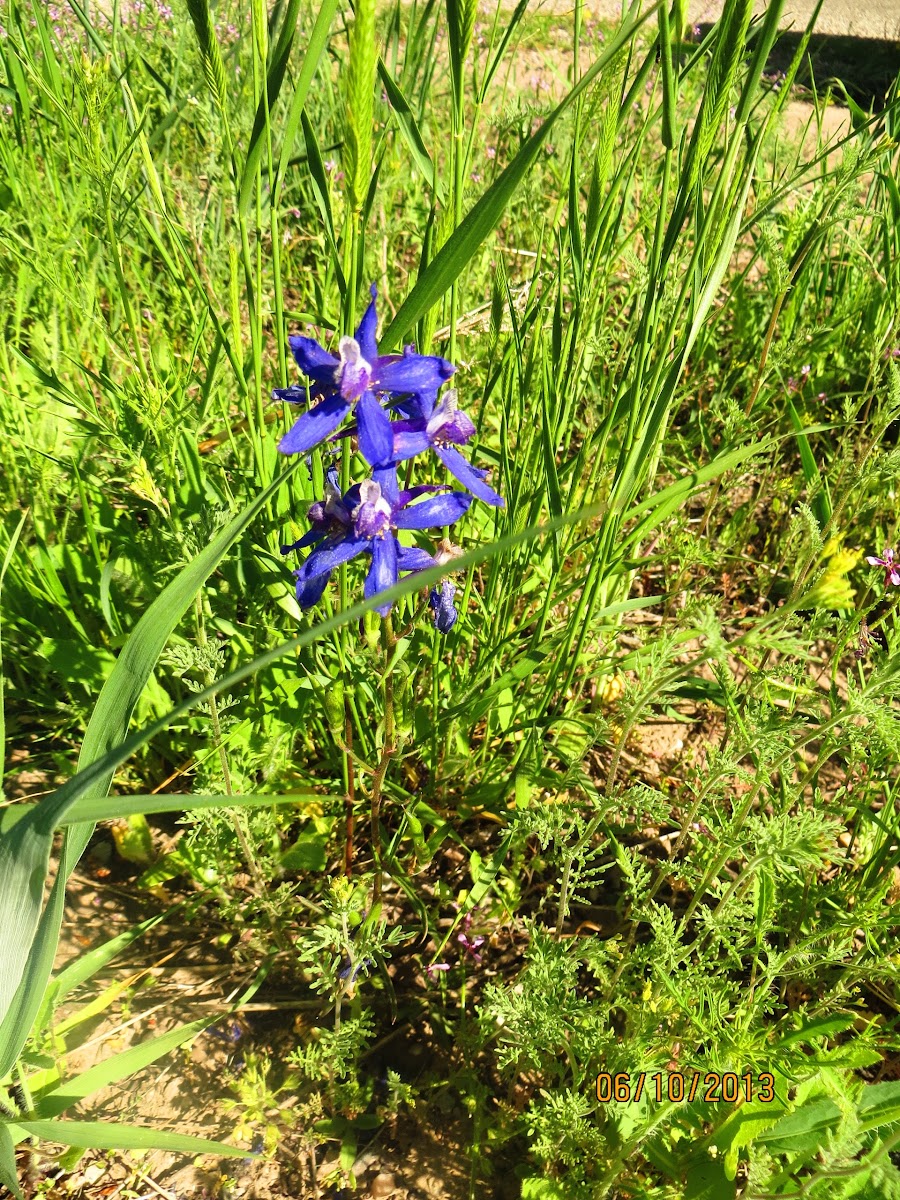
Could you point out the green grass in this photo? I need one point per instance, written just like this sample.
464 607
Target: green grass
677 339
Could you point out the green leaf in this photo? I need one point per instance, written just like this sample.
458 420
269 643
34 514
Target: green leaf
119 1066
707 1180
485 216
879 1105
314 48
8 1173
818 1027
536 1187
7 559
408 127
98 1135
86 965
267 100
662 503
307 853
803 1130
110 807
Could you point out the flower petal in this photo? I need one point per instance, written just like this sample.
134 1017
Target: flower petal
439 510
376 441
326 558
386 478
314 361
314 426
445 615
308 539
309 591
293 394
412 373
383 571
365 333
875 562
411 558
418 406
408 443
470 477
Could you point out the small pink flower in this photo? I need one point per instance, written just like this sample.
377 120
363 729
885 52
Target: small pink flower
433 969
470 945
891 571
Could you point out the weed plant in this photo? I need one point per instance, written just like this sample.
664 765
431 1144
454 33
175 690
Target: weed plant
437 813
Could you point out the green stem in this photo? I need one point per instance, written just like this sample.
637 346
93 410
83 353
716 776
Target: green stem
388 751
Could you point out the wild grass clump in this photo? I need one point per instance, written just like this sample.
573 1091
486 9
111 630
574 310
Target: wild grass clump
578 363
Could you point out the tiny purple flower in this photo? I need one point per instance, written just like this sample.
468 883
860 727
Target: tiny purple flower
433 968
891 568
470 945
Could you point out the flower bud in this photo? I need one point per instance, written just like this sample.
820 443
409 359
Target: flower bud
335 714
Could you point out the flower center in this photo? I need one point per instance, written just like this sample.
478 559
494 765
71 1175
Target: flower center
352 374
447 425
372 516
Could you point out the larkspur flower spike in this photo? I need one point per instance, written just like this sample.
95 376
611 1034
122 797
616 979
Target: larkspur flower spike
891 567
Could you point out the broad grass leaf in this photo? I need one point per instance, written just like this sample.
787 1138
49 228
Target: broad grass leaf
8 1174
274 82
107 808
278 65
7 558
118 1066
406 123
879 1105
88 964
707 1180
315 46
98 1135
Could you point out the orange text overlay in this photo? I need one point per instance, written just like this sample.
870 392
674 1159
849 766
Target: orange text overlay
676 1087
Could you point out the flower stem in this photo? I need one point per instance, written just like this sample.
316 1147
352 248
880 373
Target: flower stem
387 753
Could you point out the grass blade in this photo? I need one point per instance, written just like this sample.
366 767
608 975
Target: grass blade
8 1163
98 1135
7 559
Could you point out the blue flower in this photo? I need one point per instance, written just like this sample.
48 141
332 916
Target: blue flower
356 377
442 606
365 520
442 429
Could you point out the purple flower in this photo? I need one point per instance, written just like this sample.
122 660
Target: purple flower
441 601
356 377
435 967
365 520
891 568
470 945
442 429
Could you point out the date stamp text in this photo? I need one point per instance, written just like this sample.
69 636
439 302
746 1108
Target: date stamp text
711 1087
